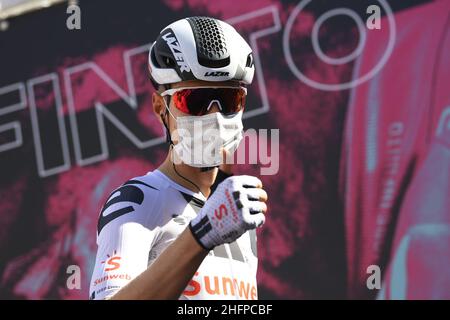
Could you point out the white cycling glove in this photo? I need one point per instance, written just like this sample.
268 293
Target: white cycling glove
233 208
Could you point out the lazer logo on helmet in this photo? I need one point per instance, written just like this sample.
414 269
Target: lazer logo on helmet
216 74
174 46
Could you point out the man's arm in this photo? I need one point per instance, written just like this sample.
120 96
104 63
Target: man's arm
169 275
236 206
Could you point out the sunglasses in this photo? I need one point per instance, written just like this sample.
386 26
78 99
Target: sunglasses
197 101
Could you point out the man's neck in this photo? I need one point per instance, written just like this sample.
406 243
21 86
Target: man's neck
189 177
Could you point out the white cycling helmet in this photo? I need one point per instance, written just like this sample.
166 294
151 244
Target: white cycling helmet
200 48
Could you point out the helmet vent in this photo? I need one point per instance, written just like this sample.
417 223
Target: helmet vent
210 42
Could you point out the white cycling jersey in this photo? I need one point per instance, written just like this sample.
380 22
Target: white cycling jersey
141 218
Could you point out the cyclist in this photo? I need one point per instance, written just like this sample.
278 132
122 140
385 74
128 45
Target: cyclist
166 235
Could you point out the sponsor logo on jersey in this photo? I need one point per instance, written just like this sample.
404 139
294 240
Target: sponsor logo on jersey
112 262
94 293
216 74
174 46
118 276
221 286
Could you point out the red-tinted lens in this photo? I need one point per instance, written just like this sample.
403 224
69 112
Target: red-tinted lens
196 101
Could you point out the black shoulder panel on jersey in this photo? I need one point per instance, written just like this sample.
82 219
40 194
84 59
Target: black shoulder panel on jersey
195 203
138 182
127 193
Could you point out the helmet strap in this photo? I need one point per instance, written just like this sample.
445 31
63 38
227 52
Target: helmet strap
168 136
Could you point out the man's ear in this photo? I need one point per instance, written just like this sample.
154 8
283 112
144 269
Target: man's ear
158 105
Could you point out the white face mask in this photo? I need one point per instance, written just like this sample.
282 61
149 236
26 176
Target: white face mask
201 139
